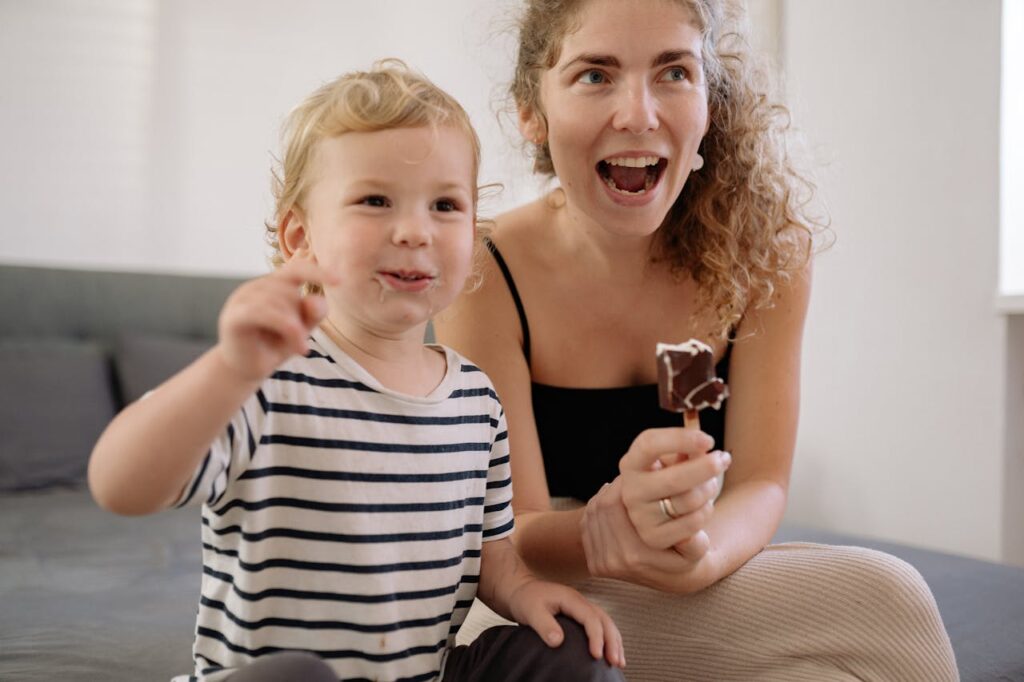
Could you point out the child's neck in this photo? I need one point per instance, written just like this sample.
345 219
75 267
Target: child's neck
401 362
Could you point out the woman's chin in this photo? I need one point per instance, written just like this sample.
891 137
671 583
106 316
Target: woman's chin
639 218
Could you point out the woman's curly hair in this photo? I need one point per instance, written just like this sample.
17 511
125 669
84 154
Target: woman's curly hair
740 226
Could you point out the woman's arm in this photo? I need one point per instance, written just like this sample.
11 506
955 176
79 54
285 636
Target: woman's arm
761 427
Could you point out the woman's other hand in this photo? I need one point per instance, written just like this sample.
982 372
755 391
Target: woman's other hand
667 554
670 505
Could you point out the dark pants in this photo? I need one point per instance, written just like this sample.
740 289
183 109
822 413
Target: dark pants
515 653
506 653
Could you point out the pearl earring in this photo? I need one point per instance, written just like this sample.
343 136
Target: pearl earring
698 162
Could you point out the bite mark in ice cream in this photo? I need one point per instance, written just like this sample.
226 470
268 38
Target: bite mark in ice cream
686 378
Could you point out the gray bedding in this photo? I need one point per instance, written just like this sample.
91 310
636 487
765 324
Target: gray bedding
88 595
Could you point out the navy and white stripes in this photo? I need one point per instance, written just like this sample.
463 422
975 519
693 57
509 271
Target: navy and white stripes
348 520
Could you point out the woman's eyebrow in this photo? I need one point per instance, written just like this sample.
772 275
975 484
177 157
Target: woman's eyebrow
669 56
666 57
592 60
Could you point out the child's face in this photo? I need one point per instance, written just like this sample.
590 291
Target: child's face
392 214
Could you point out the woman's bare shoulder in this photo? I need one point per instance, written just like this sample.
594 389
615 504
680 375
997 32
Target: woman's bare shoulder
523 225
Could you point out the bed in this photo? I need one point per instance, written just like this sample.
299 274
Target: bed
87 595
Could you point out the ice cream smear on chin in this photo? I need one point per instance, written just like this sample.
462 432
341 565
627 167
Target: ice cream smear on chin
686 378
631 174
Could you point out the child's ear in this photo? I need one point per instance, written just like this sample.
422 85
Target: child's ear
532 125
293 236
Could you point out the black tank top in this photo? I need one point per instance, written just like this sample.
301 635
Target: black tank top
584 432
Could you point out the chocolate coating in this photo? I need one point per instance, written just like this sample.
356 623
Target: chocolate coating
686 377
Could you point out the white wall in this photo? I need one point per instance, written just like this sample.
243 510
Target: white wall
1011 250
138 134
902 419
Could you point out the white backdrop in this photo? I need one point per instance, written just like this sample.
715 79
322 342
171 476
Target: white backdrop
902 430
137 134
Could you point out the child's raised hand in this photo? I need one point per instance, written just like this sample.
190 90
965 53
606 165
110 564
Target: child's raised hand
536 603
266 320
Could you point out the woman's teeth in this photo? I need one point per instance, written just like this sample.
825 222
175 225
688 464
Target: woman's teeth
631 175
633 162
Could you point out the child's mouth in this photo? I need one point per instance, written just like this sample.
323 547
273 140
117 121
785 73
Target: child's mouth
631 175
407 280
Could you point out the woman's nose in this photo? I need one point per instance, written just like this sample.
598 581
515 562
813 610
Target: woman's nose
636 110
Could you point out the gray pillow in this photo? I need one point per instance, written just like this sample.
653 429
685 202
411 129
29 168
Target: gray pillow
144 361
56 398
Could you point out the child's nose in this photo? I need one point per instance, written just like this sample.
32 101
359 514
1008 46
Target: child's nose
412 229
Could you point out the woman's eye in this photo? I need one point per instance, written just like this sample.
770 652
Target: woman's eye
676 73
375 200
591 77
445 205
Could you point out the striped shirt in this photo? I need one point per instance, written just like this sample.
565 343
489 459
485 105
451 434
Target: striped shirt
343 518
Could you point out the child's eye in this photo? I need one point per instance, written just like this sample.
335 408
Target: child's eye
446 205
375 200
676 73
591 77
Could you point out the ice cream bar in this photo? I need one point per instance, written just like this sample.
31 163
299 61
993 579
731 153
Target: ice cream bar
687 381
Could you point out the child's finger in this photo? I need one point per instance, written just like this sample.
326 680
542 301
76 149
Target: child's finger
307 311
614 651
586 614
544 624
278 318
285 326
298 271
314 308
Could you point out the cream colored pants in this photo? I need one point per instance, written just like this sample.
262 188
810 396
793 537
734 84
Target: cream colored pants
795 612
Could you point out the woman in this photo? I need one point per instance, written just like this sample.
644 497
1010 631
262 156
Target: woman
677 216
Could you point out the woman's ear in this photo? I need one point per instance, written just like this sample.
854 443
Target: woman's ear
293 236
532 126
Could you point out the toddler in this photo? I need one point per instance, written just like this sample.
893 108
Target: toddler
354 482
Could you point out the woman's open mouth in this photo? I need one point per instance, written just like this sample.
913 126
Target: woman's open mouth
632 175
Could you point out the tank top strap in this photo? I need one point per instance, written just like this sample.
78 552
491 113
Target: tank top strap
515 296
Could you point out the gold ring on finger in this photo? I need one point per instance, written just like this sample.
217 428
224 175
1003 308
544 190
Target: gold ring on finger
668 509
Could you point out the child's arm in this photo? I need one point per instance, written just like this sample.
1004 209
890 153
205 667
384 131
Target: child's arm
148 453
508 588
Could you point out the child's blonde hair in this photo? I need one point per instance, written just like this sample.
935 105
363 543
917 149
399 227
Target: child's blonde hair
387 96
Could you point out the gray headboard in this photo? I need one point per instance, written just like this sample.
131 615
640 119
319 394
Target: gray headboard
78 345
38 301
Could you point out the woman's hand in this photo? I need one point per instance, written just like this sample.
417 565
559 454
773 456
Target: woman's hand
669 506
266 320
675 555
